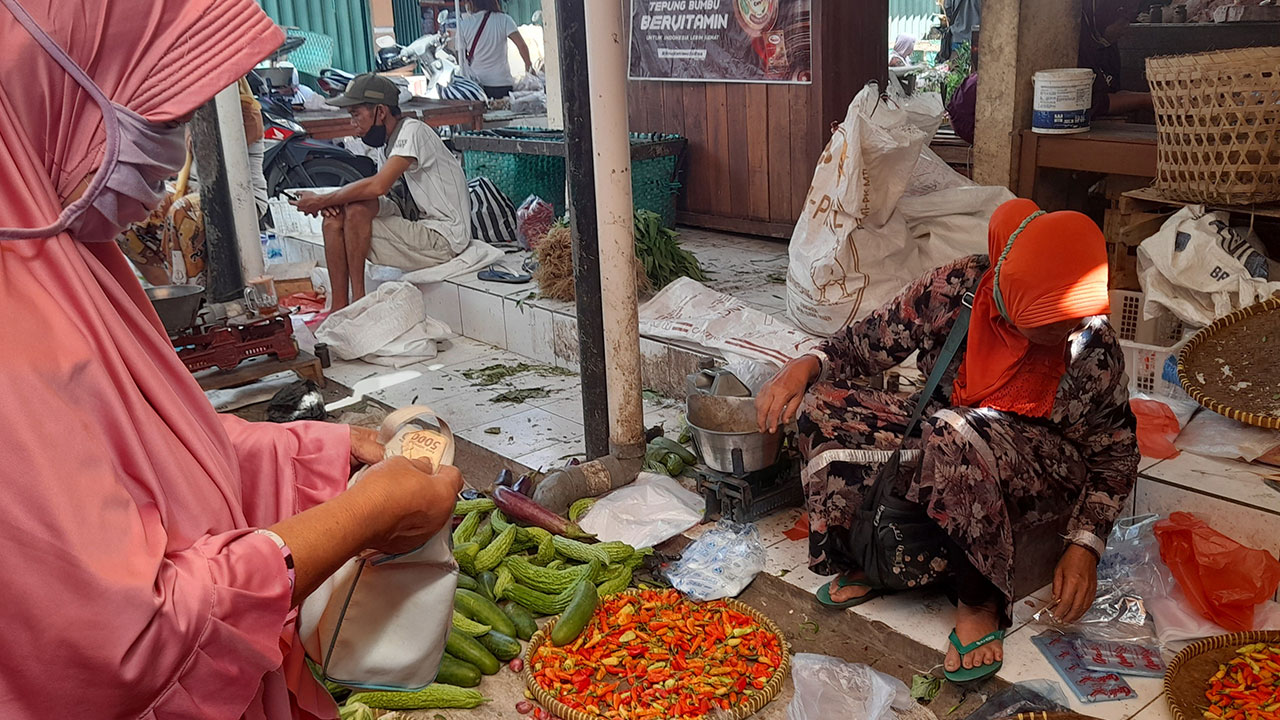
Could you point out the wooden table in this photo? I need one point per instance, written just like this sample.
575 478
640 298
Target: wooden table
1110 148
336 123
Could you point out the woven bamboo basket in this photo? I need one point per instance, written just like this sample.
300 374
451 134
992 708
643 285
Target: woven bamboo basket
1189 673
1218 124
1246 335
757 701
1042 715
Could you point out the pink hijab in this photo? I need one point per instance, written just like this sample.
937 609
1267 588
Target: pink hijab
133 585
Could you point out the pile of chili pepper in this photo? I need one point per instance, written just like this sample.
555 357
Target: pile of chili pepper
657 655
1248 687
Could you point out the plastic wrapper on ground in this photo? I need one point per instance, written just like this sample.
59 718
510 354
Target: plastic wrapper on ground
720 564
828 687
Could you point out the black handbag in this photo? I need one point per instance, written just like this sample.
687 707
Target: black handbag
892 539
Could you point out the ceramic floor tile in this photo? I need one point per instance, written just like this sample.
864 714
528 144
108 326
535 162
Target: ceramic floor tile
805 579
1232 480
482 357
529 331
482 317
349 372
460 349
1244 524
1023 661
1157 710
567 406
924 616
473 409
554 456
527 432
442 303
786 557
564 338
772 527
429 388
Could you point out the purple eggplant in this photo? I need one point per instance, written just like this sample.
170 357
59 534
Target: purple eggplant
523 485
520 508
505 478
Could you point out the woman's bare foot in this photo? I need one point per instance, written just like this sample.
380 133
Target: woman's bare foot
845 593
973 624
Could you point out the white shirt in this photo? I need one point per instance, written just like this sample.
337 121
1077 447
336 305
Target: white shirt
435 180
489 65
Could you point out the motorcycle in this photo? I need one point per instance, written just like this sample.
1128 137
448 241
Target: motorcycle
445 79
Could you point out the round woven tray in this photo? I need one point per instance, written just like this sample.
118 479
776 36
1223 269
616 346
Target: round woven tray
1229 366
757 701
1041 715
1189 673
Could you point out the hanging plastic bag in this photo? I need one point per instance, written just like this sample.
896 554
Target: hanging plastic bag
643 514
720 564
1224 580
828 687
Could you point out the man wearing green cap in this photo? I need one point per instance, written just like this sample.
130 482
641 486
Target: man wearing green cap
413 214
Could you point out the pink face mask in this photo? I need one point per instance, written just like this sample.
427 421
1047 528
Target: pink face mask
138 158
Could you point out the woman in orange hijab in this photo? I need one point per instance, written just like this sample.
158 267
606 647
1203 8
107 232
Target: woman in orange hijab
1027 439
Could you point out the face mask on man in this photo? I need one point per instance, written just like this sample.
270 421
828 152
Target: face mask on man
377 135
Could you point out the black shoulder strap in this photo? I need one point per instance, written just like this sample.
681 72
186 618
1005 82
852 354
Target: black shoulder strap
959 331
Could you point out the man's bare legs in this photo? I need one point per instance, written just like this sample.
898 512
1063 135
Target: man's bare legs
335 255
358 236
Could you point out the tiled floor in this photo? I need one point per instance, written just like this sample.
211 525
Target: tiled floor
503 320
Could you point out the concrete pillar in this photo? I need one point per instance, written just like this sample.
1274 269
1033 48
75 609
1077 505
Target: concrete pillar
551 53
1018 39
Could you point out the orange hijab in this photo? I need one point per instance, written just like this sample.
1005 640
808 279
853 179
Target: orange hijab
1050 267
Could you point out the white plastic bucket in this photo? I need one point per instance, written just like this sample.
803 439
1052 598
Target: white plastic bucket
1062 100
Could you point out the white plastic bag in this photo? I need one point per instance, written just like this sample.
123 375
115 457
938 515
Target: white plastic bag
720 564
644 513
389 326
1200 269
838 269
1213 435
828 687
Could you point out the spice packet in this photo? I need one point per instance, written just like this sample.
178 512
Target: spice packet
1119 658
1090 686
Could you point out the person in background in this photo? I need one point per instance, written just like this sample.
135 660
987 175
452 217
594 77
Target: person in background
1030 426
414 213
251 110
483 33
1102 24
903 48
963 17
158 550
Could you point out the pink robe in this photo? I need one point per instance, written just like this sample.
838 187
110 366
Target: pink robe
133 586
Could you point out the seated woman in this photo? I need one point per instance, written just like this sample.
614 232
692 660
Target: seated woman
1035 426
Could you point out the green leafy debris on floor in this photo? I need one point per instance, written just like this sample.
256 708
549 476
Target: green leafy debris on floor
515 397
777 278
494 374
924 688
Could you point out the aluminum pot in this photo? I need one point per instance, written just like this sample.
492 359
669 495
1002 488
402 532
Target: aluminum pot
177 305
724 429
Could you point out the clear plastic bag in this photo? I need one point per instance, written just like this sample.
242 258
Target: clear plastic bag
828 687
1129 572
644 513
534 219
720 564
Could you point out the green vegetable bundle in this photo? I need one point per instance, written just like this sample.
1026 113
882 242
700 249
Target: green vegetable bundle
658 250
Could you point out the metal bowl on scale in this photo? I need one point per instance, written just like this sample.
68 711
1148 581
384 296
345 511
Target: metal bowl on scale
724 430
177 305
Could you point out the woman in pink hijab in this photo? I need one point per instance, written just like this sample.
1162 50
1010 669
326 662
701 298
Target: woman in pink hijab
155 552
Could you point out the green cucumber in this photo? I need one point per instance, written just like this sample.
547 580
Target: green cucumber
476 607
466 582
503 647
457 672
487 580
526 626
575 617
468 650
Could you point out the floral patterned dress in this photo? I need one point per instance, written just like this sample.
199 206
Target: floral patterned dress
983 474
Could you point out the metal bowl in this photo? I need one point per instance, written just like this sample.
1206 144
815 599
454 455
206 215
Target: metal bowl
177 305
724 429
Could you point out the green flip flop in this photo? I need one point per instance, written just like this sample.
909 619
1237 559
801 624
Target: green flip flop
965 675
824 594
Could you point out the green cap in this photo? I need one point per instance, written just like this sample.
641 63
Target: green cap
371 89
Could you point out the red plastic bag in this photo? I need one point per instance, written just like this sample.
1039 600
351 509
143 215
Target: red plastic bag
1157 428
1223 579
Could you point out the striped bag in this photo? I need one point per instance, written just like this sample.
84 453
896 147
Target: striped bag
493 217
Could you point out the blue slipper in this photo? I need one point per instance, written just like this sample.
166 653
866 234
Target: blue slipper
495 273
824 594
965 675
